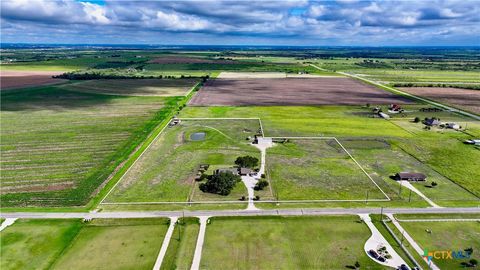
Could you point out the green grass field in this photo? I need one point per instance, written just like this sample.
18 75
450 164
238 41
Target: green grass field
317 170
166 172
182 245
35 244
135 87
115 244
59 146
455 236
332 242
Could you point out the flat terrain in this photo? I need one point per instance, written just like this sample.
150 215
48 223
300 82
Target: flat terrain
317 169
265 75
291 91
182 245
35 244
174 59
115 244
59 146
135 87
286 243
10 79
460 98
456 236
167 170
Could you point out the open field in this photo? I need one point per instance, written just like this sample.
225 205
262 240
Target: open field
291 91
286 243
317 169
384 162
461 98
284 121
35 244
19 79
59 146
135 87
182 245
115 244
452 236
167 170
177 59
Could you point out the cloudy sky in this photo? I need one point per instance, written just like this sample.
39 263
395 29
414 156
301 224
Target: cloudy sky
346 22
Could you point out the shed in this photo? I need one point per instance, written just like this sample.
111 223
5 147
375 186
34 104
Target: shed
410 176
233 171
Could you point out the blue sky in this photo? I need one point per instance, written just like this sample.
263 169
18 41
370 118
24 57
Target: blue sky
302 22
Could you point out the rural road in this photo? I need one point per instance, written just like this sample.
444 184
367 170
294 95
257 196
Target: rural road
280 212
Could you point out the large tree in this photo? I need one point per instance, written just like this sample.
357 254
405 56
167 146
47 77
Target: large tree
221 183
247 162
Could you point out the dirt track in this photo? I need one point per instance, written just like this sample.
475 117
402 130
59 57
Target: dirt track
457 97
291 91
10 79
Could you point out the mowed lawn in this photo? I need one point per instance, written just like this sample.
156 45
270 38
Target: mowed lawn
182 245
332 242
35 244
317 169
167 170
59 146
115 244
135 87
456 236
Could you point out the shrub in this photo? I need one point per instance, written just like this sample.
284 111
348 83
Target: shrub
263 175
416 120
357 264
434 184
473 262
260 185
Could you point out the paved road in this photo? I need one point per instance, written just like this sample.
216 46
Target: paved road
281 212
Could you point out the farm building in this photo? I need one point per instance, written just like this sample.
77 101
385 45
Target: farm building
475 142
452 125
409 176
227 170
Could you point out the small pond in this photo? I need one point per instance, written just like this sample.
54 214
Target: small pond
197 136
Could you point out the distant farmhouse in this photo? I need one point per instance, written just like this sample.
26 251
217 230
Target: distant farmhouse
409 176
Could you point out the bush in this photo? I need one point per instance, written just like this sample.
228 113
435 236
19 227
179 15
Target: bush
473 262
221 183
257 198
416 120
247 161
434 184
357 264
261 185
263 175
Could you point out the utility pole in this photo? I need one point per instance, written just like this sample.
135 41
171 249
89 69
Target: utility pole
400 188
410 196
401 241
381 213
366 199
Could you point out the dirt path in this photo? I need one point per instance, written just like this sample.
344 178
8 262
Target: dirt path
166 242
201 237
414 189
412 242
7 222
377 240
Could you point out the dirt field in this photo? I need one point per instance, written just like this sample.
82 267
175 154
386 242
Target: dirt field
187 60
291 91
17 79
457 97
265 75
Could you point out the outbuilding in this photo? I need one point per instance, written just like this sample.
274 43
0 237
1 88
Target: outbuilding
245 171
410 176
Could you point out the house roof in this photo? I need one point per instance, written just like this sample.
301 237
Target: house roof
245 170
411 175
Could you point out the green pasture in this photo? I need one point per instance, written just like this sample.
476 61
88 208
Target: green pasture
35 244
182 245
317 170
115 244
58 146
281 121
167 170
333 242
452 236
